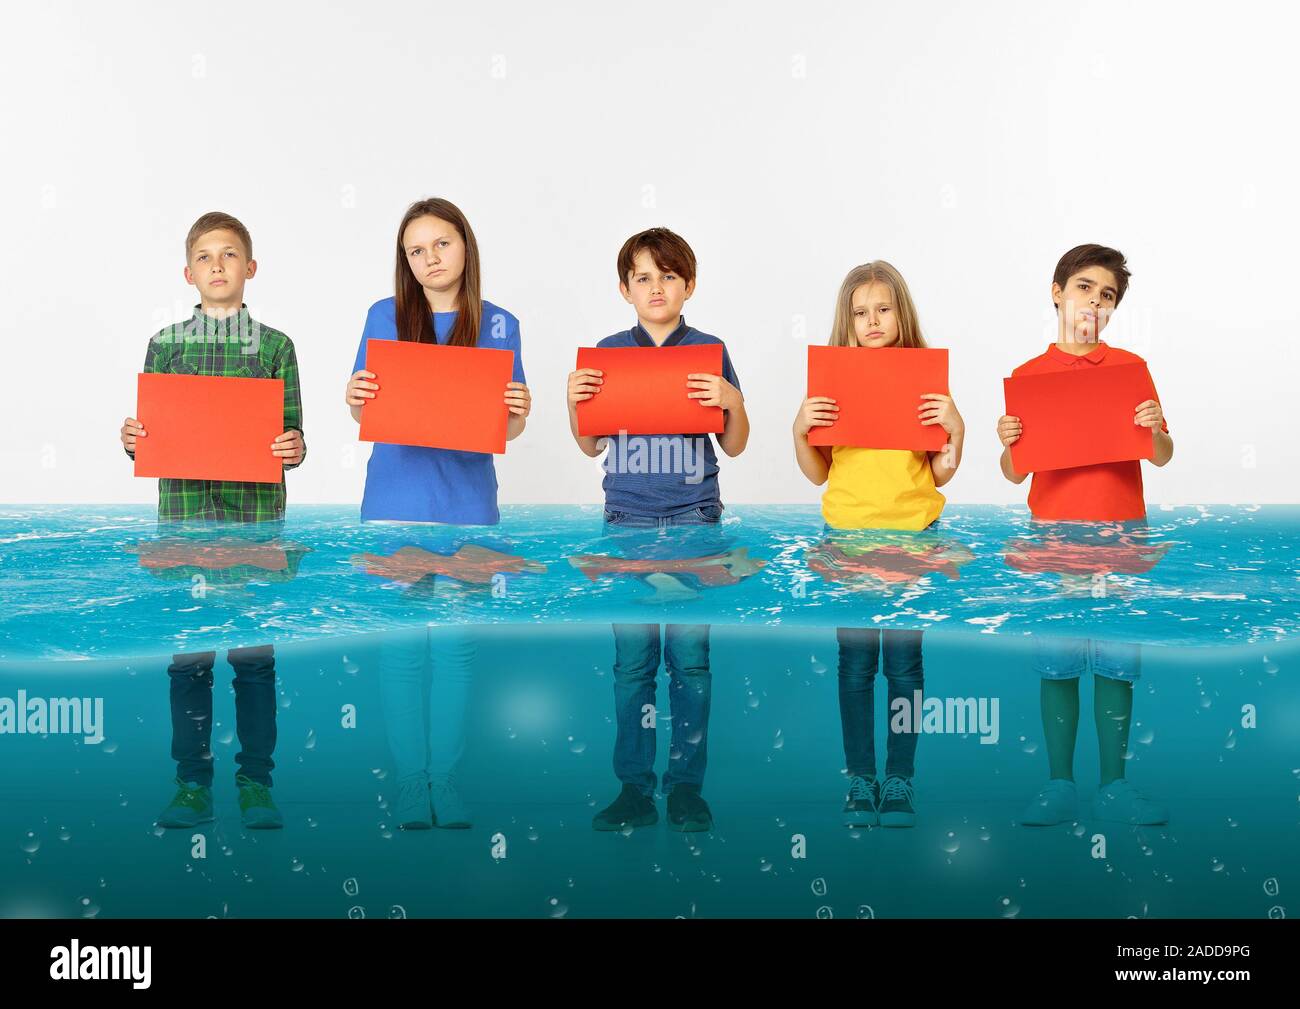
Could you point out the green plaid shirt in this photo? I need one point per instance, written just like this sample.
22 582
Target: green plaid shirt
240 347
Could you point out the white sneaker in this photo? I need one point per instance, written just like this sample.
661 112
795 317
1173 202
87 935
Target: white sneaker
1121 802
1057 802
412 809
448 808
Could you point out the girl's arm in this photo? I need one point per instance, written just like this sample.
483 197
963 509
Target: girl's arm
936 408
814 460
520 402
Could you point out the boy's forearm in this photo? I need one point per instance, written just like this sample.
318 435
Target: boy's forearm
1164 447
590 444
735 431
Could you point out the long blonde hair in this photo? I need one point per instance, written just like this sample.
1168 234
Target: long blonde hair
877 271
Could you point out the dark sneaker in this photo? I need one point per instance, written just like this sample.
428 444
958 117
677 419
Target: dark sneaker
255 806
687 810
630 809
862 806
896 808
190 806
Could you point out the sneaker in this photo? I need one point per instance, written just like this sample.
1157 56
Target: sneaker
449 810
412 811
862 806
1057 802
255 806
687 810
190 806
1120 801
896 808
630 809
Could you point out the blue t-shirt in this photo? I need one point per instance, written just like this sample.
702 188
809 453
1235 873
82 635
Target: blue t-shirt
662 474
410 483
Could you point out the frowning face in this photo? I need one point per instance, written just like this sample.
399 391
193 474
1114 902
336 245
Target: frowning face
1085 304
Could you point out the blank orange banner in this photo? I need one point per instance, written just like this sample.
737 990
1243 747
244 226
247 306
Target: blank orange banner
438 397
878 391
207 427
645 390
1079 417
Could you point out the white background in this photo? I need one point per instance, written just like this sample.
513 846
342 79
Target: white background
968 144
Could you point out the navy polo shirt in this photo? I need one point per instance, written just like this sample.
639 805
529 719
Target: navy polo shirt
662 474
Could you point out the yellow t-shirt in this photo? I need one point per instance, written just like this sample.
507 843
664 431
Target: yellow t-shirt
880 488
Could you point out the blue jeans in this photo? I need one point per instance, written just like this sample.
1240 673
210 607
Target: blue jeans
191 702
449 651
1069 658
860 650
685 652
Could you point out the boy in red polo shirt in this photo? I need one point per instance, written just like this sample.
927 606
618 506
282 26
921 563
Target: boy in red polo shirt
1088 285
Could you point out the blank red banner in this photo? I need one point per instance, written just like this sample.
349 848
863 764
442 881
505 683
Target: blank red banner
207 427
645 390
1079 417
878 391
438 397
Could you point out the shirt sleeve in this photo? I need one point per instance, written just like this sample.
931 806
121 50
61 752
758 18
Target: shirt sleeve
516 344
286 368
728 372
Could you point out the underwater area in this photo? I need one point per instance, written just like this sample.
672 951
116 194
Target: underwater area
487 655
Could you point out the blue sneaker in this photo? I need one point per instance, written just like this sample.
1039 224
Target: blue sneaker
255 805
190 806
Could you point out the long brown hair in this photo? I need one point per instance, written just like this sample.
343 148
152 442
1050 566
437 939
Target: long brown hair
414 319
876 272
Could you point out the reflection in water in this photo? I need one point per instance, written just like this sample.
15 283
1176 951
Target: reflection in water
882 561
1084 556
227 560
679 556
427 735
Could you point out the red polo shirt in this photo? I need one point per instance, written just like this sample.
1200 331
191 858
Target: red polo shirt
1105 492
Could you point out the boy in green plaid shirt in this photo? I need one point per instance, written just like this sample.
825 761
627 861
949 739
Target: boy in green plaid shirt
221 338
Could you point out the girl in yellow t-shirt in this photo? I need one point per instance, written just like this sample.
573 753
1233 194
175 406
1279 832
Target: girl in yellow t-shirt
870 488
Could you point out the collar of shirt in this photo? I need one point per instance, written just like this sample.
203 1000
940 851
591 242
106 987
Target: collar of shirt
209 325
1093 356
644 339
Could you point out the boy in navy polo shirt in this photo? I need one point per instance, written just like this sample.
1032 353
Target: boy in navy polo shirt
655 481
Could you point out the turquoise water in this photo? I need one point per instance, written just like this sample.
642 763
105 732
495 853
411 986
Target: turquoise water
96 601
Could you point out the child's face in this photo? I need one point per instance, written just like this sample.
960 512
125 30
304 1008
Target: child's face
658 295
435 252
875 323
1085 305
218 267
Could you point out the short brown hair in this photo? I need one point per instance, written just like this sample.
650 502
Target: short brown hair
213 220
669 251
1083 256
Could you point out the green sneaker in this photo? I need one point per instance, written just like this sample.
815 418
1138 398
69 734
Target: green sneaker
190 806
255 805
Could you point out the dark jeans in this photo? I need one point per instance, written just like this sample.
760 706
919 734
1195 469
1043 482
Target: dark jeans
191 697
685 651
860 649
690 688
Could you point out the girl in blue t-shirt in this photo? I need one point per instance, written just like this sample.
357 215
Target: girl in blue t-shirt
437 300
